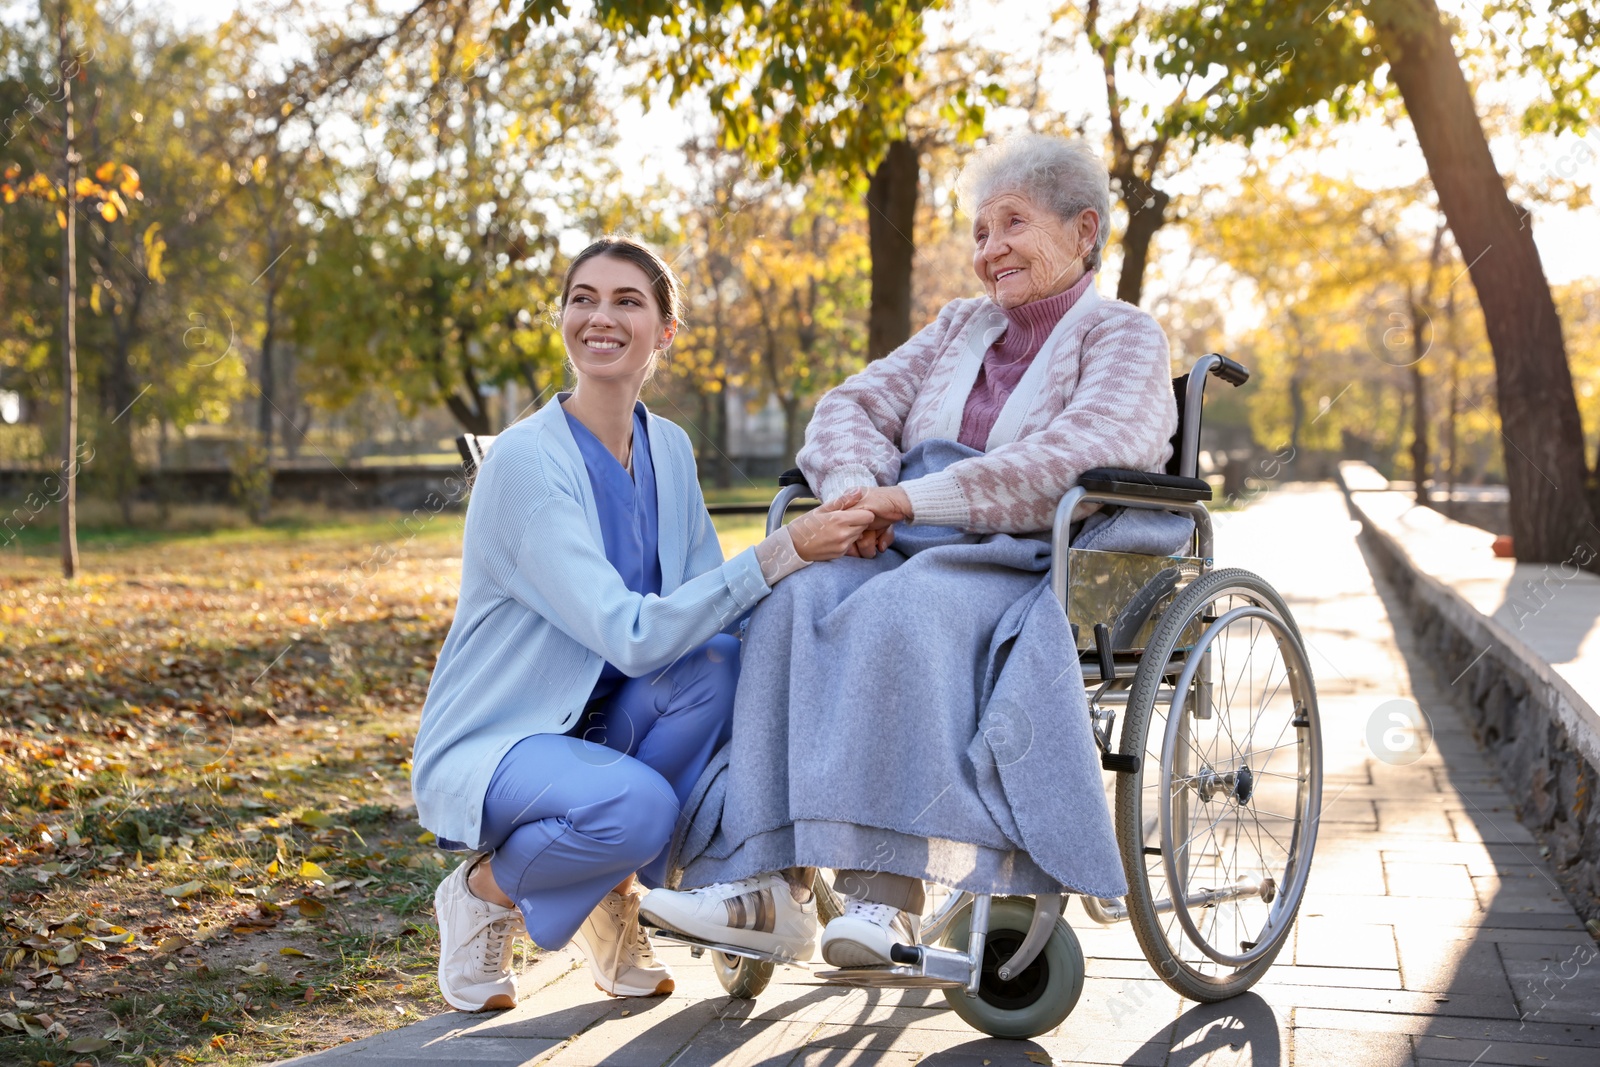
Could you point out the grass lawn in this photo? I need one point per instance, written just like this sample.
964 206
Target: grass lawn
208 851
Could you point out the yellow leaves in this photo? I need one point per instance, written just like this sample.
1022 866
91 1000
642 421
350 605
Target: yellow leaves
154 249
257 969
290 950
312 871
105 172
317 819
311 908
61 218
179 892
108 211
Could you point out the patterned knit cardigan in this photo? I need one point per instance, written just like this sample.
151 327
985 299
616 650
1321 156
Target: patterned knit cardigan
1098 394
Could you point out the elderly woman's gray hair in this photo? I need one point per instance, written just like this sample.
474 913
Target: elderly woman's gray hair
1060 173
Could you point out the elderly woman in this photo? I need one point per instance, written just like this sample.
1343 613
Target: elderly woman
1040 379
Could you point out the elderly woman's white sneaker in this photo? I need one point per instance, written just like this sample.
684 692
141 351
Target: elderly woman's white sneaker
759 914
863 935
620 957
475 942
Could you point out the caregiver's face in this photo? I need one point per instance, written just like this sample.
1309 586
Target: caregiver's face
611 324
1023 252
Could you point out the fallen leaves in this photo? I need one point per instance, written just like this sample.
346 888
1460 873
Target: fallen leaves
175 785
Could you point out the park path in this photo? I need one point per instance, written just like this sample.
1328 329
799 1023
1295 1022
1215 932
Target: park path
1432 932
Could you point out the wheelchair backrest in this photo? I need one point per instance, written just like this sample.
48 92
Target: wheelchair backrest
1189 391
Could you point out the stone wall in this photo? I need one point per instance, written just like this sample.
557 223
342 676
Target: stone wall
1519 713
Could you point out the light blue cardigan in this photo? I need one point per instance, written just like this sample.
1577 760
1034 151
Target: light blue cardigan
541 609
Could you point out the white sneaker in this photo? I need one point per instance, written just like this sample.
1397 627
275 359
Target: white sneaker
475 942
620 957
862 936
759 914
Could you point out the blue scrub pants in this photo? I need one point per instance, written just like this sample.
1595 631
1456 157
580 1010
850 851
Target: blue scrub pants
568 816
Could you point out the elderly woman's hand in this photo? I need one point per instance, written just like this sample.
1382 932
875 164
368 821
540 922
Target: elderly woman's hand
889 504
833 529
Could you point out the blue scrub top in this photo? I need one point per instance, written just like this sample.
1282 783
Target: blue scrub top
628 516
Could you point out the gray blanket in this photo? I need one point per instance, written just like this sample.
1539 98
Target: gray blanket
921 713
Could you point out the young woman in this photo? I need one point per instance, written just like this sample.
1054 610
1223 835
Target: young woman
587 677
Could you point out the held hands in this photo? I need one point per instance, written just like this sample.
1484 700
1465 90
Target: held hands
889 504
833 529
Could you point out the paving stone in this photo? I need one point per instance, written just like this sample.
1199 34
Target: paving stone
1432 964
1434 1049
1340 998
1327 942
1525 895
1526 1031
1554 984
1449 880
1317 1047
1246 1030
642 1038
1500 829
1422 816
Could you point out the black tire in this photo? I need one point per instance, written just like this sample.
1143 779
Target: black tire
1216 778
741 976
1034 1002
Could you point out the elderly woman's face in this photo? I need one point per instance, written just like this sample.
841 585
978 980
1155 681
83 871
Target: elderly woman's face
1024 252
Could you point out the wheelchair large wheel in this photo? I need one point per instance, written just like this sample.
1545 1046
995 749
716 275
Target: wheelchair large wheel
1035 1001
748 978
1218 826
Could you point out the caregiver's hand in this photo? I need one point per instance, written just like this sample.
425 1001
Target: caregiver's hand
889 505
831 530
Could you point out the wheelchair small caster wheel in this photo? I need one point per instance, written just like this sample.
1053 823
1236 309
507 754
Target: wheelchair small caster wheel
741 976
1035 1001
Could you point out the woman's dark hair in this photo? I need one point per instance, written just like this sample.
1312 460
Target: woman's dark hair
663 283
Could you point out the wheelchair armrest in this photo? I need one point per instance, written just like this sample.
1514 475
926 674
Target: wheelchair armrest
795 476
1145 484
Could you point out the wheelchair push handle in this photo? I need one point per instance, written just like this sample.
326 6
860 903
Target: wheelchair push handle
1230 371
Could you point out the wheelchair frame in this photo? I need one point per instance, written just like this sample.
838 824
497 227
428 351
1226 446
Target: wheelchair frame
1107 673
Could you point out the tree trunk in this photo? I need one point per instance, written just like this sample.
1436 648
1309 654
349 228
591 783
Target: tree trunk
891 221
793 432
719 438
267 409
69 322
118 435
1419 433
1147 212
1452 454
1544 450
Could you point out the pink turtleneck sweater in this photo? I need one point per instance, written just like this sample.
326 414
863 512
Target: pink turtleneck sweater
1008 359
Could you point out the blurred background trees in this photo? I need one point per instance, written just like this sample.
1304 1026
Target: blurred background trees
350 227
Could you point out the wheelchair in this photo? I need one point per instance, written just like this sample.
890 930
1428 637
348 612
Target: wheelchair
1217 768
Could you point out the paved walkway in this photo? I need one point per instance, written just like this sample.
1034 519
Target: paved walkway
1431 932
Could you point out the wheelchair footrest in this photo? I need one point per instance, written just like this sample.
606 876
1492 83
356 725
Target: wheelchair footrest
915 966
1116 761
698 945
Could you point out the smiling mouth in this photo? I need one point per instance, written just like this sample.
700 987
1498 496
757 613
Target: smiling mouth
604 344
1007 273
